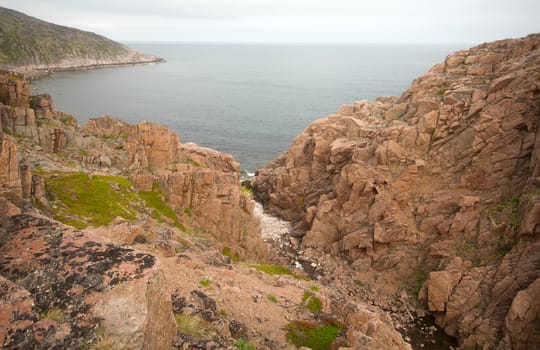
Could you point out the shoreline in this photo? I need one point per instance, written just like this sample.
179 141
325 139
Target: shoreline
33 73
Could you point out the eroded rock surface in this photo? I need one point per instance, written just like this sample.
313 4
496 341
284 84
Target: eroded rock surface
51 276
401 187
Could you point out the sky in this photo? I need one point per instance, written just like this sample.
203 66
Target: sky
292 21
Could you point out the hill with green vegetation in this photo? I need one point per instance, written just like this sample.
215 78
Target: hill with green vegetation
28 42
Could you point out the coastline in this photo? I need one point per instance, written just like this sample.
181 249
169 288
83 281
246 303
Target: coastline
39 71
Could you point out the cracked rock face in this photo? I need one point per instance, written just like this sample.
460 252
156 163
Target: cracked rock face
448 170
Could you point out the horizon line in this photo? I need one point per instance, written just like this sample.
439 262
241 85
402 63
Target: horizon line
202 42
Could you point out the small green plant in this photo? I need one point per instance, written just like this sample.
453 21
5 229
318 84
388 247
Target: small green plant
187 211
205 282
194 326
246 191
272 298
227 252
243 344
441 92
314 288
194 163
359 283
420 277
302 333
311 302
54 315
222 312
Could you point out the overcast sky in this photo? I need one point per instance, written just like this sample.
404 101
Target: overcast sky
297 21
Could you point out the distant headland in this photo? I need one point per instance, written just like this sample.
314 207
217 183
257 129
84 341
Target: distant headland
32 46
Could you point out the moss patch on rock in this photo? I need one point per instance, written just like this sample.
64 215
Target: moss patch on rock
315 337
79 200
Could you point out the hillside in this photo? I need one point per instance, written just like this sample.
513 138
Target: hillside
30 42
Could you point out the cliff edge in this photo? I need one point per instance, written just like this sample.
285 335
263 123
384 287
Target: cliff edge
437 191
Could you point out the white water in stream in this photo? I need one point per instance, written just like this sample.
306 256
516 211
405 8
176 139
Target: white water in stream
271 226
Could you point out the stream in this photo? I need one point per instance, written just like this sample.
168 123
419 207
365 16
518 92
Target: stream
422 334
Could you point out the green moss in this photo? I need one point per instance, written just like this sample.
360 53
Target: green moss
187 211
314 288
155 200
301 333
77 198
71 221
272 269
311 302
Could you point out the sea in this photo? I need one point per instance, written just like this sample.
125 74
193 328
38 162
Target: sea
247 100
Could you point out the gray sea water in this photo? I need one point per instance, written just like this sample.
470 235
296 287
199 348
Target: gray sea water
247 100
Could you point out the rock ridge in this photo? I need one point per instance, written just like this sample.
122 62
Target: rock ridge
438 186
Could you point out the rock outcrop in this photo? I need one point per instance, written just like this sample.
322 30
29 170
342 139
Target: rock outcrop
202 185
439 185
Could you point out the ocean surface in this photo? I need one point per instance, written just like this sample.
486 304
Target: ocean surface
247 100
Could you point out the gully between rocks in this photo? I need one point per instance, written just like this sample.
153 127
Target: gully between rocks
422 333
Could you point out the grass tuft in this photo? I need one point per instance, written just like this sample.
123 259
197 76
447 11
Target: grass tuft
228 253
205 282
54 315
311 302
272 298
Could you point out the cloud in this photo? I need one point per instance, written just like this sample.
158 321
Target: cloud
461 21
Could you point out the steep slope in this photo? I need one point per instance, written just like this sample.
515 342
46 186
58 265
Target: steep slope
437 190
35 44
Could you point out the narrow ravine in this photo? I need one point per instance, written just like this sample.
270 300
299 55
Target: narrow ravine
421 333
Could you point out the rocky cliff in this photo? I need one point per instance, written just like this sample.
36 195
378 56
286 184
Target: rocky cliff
437 190
31 44
119 236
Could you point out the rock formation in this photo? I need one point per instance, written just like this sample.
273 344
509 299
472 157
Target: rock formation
433 194
440 185
133 281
